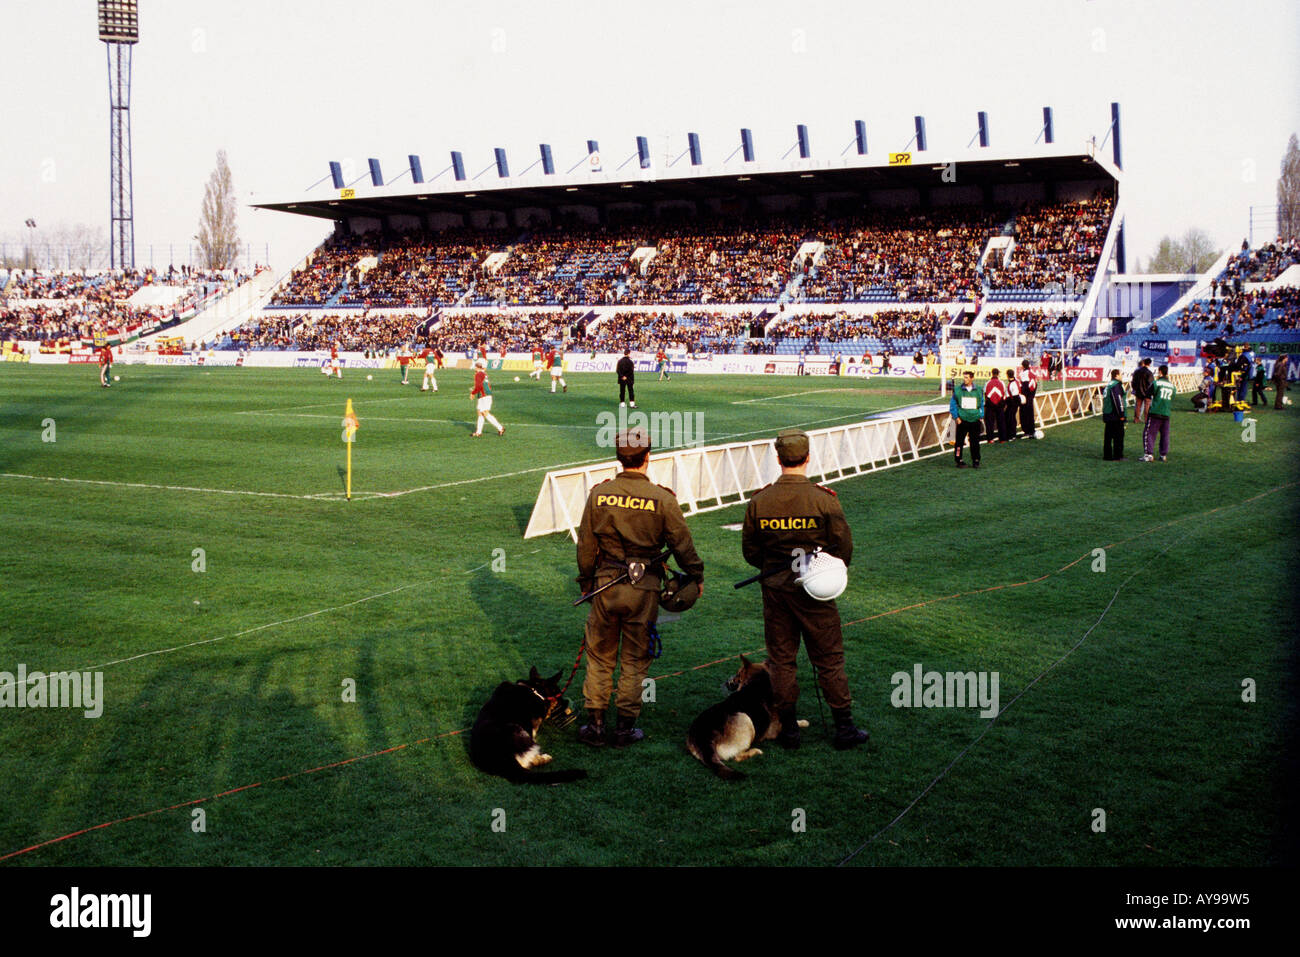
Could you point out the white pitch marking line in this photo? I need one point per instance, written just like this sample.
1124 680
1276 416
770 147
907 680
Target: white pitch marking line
465 421
167 488
788 395
1023 691
318 405
334 496
273 624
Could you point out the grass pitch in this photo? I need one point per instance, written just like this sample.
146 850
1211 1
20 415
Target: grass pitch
1121 690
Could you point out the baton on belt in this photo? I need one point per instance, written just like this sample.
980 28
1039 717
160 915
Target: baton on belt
657 560
760 576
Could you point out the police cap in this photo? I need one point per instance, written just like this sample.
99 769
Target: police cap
632 443
792 445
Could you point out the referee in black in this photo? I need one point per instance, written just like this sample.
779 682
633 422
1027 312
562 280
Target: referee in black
626 377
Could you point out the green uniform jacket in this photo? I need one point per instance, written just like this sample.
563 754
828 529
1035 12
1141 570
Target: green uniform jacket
793 513
630 517
957 407
1160 405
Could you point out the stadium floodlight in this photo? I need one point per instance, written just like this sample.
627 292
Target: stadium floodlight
376 174
417 170
119 28
119 21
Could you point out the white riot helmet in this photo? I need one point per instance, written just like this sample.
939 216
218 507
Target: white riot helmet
825 577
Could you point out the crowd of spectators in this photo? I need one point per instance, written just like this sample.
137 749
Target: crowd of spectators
695 332
1055 244
1038 325
889 255
416 269
358 332
891 328
54 306
1255 265
561 266
912 256
332 267
513 332
718 262
1239 312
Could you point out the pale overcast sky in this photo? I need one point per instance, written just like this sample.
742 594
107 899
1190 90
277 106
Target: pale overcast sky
1210 92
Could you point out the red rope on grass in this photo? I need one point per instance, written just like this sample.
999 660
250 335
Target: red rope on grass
246 787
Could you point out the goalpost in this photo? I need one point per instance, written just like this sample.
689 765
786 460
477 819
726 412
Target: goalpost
953 349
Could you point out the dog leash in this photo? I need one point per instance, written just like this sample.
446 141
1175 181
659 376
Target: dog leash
582 647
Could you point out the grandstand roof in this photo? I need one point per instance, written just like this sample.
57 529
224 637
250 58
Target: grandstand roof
738 182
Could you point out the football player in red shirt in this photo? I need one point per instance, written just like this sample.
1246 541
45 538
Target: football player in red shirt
482 391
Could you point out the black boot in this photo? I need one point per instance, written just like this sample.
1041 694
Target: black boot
593 732
626 732
847 734
788 737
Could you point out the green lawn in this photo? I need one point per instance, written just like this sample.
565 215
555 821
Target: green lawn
232 678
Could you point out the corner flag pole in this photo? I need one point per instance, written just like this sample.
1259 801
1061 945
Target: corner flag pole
350 425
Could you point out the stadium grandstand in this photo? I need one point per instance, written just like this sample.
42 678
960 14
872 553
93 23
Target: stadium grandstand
975 259
849 258
57 310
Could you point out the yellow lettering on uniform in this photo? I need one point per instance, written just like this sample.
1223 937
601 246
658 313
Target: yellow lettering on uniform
626 501
792 523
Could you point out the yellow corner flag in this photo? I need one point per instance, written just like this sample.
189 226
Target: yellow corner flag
350 425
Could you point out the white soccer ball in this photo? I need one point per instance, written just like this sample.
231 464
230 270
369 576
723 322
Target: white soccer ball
1038 434
369 377
516 378
117 378
1286 400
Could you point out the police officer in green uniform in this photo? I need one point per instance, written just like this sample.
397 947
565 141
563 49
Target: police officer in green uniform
787 519
626 522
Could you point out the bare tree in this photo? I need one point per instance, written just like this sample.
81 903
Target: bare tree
218 236
1288 192
1193 253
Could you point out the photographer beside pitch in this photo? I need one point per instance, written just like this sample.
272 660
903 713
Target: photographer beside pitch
626 523
790 515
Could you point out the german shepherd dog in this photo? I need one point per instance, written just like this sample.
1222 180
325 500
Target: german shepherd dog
730 728
504 738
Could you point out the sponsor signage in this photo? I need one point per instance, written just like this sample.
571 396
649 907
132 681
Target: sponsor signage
1084 374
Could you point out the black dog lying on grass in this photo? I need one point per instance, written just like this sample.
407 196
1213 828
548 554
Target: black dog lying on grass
503 740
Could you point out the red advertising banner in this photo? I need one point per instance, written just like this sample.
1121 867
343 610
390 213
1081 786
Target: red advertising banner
1085 374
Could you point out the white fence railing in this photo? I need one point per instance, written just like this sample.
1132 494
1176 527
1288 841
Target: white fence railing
717 476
